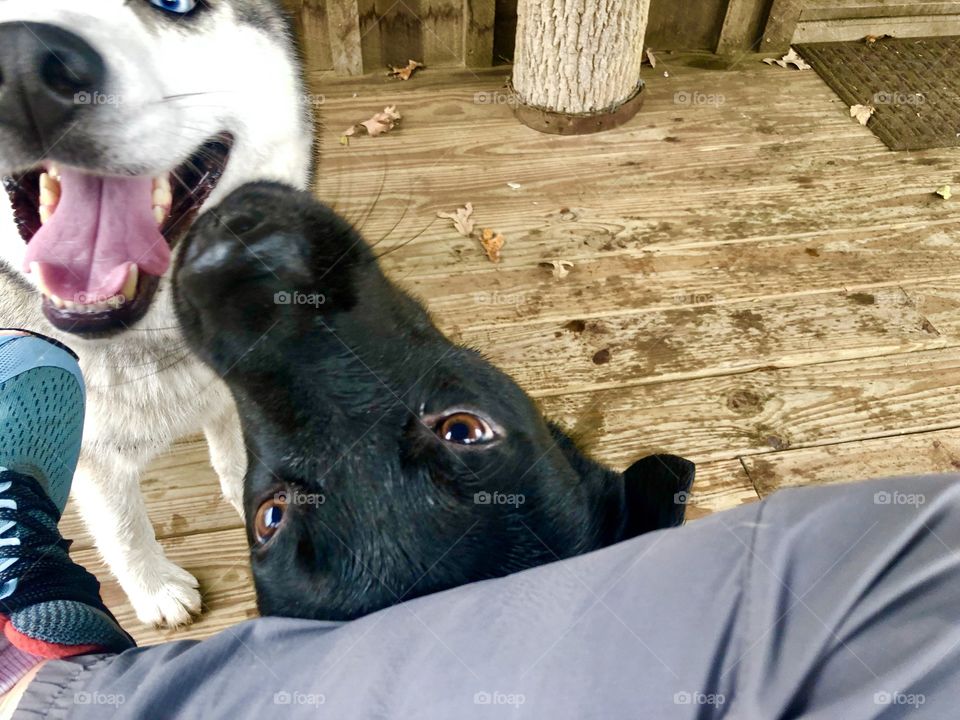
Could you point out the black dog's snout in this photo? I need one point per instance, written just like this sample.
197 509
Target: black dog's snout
47 75
227 245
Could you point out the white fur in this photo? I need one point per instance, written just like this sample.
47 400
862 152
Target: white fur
144 389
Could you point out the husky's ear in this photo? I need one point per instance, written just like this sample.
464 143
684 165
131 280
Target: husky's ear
655 493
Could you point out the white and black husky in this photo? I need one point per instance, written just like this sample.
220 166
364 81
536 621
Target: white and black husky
120 120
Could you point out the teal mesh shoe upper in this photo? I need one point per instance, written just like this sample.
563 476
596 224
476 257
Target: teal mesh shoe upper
42 402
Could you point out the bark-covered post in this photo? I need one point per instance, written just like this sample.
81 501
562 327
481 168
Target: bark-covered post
577 63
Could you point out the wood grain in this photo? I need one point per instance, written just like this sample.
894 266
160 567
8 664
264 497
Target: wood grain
479 21
742 26
784 15
893 456
344 33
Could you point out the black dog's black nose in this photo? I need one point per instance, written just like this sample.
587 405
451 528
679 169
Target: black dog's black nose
47 75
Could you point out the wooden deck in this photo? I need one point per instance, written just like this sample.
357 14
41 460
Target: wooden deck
758 284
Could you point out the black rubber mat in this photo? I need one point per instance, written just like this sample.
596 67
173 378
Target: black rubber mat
913 83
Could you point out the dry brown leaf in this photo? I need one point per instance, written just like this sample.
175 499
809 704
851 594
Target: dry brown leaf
872 39
651 58
405 73
380 123
945 191
791 58
492 244
862 113
462 219
561 268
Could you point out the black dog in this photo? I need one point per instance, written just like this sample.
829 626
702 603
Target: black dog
385 462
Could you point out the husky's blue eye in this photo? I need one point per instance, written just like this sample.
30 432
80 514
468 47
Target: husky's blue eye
177 6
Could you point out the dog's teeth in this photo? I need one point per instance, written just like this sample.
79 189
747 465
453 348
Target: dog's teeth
162 199
49 196
57 301
162 189
68 305
129 291
54 172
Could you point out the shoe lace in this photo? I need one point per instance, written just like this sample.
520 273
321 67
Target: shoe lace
42 566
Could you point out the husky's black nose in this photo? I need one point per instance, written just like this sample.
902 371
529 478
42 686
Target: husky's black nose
47 75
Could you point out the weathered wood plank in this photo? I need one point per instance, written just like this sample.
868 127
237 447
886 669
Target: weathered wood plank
939 303
918 454
752 413
705 340
313 32
442 30
401 31
742 26
781 24
344 33
847 9
850 30
602 285
478 24
719 486
685 25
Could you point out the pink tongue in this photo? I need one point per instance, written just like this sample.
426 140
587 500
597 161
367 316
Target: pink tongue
101 226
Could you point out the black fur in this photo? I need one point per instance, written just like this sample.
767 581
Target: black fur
336 398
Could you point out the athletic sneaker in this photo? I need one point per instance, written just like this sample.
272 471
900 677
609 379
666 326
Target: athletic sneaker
50 607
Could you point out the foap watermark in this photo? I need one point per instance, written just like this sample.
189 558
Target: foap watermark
683 298
99 698
87 298
299 298
499 698
914 700
698 698
687 498
899 498
695 98
313 99
285 697
499 498
96 98
499 298
899 98
298 497
496 97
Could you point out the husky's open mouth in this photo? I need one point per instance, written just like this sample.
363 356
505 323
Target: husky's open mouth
98 245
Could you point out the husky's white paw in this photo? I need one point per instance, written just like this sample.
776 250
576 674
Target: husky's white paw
166 596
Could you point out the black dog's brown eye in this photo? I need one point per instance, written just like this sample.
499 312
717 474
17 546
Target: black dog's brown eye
269 517
464 429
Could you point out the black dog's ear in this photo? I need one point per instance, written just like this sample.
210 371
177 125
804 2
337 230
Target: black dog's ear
656 490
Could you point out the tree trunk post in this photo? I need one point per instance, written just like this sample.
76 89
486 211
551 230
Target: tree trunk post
577 63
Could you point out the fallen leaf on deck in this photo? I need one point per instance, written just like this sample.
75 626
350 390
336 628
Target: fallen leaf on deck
514 185
791 58
945 192
404 73
492 243
462 220
561 268
651 58
862 113
871 39
377 125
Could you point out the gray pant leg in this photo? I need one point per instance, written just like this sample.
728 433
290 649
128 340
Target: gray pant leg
817 603
853 609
